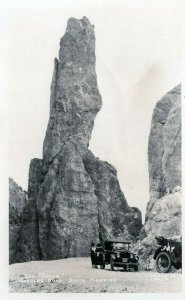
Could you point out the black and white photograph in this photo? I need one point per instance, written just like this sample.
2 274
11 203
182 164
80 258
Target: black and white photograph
93 94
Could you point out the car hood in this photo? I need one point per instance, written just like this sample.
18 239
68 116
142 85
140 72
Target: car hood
123 251
120 251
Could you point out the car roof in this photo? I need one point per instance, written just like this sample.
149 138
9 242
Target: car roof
117 241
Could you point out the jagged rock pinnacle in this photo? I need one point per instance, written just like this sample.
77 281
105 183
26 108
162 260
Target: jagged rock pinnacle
74 198
75 98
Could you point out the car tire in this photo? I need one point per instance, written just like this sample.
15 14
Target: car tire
102 266
163 262
135 268
112 265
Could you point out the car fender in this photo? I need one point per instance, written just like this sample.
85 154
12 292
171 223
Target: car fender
158 251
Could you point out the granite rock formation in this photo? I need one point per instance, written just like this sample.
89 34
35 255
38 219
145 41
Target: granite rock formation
164 149
74 198
23 226
80 201
78 197
75 98
18 200
163 213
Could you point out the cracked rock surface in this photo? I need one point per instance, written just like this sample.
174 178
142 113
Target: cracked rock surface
163 214
75 98
74 198
18 200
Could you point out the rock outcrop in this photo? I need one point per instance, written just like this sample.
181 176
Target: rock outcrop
80 201
164 149
74 197
23 225
78 196
75 98
18 200
163 214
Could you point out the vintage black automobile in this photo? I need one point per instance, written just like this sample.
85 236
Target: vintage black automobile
168 254
117 253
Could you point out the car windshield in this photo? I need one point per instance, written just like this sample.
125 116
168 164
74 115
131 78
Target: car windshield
120 246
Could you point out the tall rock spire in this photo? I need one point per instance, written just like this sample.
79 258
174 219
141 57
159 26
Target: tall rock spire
75 98
74 197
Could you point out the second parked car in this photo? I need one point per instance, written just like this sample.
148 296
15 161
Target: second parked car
168 254
118 254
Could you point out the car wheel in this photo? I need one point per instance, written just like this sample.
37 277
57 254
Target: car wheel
112 265
136 268
163 262
102 266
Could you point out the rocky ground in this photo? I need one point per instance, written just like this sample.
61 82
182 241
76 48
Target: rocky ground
77 275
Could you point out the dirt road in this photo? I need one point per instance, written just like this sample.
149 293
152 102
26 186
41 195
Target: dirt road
77 275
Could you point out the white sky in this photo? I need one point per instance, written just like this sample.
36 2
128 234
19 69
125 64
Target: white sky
138 59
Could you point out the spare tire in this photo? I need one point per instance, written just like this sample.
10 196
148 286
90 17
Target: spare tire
163 262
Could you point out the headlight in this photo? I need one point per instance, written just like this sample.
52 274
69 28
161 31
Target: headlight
118 255
113 256
131 256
